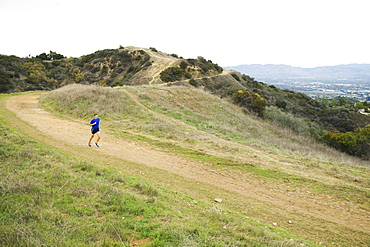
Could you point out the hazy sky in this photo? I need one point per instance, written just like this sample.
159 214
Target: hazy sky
303 33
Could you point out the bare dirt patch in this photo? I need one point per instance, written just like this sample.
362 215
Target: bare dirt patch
316 217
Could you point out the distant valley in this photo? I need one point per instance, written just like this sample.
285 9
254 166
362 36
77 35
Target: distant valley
350 81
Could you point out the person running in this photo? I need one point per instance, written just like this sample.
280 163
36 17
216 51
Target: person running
94 123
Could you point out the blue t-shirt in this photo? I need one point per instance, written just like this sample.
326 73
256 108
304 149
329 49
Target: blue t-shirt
97 121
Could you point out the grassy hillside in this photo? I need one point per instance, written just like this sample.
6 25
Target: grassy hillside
90 204
199 126
182 115
139 66
50 198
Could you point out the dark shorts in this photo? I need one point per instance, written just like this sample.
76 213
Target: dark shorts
94 131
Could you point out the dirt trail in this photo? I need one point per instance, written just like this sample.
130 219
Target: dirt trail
160 61
74 133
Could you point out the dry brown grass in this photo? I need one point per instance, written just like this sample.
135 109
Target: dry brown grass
196 120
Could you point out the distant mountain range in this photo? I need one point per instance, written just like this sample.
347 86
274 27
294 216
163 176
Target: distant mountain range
271 73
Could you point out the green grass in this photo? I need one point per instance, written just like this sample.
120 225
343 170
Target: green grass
199 126
49 198
186 116
202 128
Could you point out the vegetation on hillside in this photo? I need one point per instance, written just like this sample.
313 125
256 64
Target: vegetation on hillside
355 143
194 107
51 56
49 198
191 69
199 126
190 123
49 71
315 117
249 100
118 67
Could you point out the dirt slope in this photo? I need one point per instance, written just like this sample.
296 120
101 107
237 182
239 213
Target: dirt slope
160 62
312 216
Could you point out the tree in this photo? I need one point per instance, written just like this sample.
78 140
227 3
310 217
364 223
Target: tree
51 56
342 101
43 56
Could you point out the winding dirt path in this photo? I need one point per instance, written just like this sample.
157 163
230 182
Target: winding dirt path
342 218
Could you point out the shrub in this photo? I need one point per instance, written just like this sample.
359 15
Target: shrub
355 143
281 104
193 82
236 77
183 65
104 70
172 74
78 76
251 101
287 120
5 84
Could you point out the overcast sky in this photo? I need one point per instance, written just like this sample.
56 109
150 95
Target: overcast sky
302 33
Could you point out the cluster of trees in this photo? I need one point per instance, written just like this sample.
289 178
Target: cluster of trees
24 74
37 76
363 105
349 104
355 143
51 56
10 70
4 82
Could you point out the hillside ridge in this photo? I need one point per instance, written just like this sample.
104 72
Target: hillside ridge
132 66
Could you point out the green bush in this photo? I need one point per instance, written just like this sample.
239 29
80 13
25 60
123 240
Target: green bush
236 77
205 65
281 104
172 74
183 65
5 84
251 101
193 82
287 120
355 143
51 56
